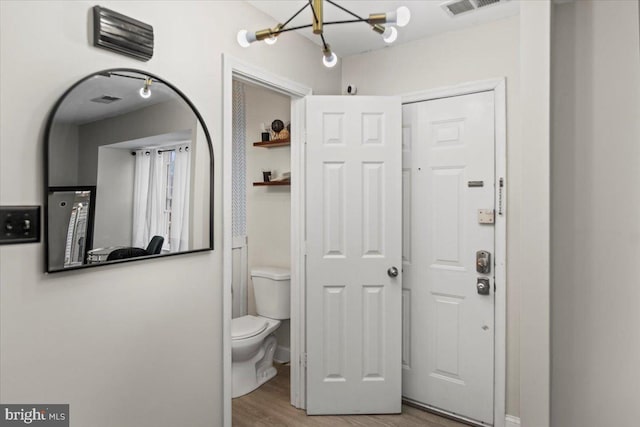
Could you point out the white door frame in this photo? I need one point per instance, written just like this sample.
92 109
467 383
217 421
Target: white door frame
498 87
241 71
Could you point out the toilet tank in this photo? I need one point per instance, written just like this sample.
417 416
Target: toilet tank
272 291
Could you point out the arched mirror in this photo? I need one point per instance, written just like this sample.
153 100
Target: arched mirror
130 173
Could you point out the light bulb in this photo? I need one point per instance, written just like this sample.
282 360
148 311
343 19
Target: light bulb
145 92
390 35
245 38
271 40
330 61
403 15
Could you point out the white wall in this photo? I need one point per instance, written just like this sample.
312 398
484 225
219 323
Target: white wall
137 344
268 208
534 199
113 224
595 215
65 156
157 119
449 59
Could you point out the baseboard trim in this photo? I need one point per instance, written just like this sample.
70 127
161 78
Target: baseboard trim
511 421
282 355
442 413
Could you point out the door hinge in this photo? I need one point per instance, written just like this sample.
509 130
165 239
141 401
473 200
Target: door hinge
303 360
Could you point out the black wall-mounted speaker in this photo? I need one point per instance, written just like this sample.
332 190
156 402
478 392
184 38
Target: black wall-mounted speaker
117 32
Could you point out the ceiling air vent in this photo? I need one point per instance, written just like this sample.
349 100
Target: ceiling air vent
458 7
483 3
105 99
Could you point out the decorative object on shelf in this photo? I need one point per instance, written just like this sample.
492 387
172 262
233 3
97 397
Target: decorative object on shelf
286 176
284 134
277 127
266 176
265 136
399 17
118 32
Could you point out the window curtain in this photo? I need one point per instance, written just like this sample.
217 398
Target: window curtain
179 235
156 198
149 196
140 195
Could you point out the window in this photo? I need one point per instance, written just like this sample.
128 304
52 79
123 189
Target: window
168 159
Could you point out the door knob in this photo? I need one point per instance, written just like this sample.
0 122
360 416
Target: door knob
392 272
483 286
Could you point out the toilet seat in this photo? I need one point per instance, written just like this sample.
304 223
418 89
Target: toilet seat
247 327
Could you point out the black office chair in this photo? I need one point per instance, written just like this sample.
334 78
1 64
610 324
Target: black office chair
155 245
124 253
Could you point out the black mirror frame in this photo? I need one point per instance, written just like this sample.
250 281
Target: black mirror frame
47 135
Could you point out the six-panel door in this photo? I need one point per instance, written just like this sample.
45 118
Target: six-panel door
354 232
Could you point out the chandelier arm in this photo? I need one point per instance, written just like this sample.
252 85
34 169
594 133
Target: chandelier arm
348 21
284 30
296 14
346 10
299 27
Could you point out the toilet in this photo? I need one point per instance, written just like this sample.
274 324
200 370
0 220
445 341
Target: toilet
252 341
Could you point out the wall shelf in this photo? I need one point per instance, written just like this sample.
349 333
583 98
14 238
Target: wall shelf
261 184
274 143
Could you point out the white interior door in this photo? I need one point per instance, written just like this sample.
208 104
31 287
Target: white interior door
448 327
354 230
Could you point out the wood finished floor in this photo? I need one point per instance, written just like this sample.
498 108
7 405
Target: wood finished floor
269 406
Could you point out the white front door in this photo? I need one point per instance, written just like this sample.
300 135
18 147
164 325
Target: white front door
353 205
448 327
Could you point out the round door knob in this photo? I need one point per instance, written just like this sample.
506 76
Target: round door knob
392 272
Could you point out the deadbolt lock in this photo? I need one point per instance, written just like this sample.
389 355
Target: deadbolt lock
483 262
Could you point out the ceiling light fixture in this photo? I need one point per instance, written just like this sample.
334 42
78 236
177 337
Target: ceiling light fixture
399 17
145 92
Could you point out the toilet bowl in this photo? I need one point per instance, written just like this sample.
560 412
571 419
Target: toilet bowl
252 341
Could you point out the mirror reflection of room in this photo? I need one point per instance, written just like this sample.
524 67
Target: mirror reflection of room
126 145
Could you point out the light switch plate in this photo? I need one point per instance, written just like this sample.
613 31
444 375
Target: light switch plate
19 224
486 216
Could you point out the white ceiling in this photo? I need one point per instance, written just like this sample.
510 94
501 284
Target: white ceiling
427 19
78 108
